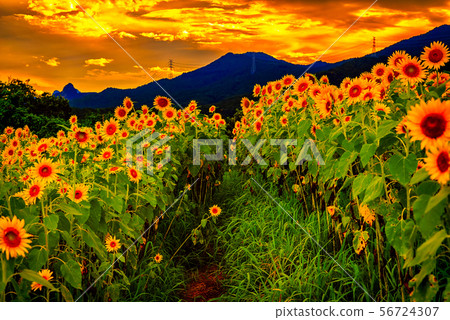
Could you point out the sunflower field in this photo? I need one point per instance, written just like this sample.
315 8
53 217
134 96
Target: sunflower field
81 218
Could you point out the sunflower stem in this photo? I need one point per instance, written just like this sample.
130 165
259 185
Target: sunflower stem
4 281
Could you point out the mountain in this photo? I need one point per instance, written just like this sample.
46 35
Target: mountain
224 81
221 82
70 92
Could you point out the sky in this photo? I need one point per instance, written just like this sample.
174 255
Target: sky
53 42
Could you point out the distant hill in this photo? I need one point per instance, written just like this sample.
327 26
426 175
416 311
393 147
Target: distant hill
414 46
221 82
224 81
70 92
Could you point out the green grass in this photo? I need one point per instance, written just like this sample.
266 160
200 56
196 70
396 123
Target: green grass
268 257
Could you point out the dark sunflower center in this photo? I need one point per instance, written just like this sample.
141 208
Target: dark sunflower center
111 129
112 244
433 125
328 106
169 114
45 171
380 72
81 136
390 77
78 194
411 70
162 103
303 87
12 237
355 91
34 191
107 155
133 173
122 113
443 161
435 55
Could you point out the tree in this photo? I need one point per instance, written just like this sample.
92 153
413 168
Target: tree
20 105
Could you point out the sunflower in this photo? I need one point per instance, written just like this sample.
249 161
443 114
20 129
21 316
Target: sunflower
412 71
245 103
73 120
288 80
109 129
278 86
396 58
121 113
324 79
368 95
9 152
34 191
158 258
82 136
160 103
331 210
112 244
380 92
44 273
150 123
315 90
45 170
435 56
134 174
13 237
325 105
354 90
169 113
437 162
256 90
345 83
379 70
114 170
215 211
106 154
429 122
382 107
284 121
8 130
127 103
388 76
302 85
79 193
123 134
257 126
212 109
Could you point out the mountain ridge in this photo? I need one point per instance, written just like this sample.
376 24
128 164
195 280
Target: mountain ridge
234 75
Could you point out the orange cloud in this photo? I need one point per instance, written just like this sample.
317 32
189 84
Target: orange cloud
52 62
195 32
101 62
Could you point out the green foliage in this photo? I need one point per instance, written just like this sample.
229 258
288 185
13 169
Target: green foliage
21 105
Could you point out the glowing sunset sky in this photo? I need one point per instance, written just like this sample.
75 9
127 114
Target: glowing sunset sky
54 42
